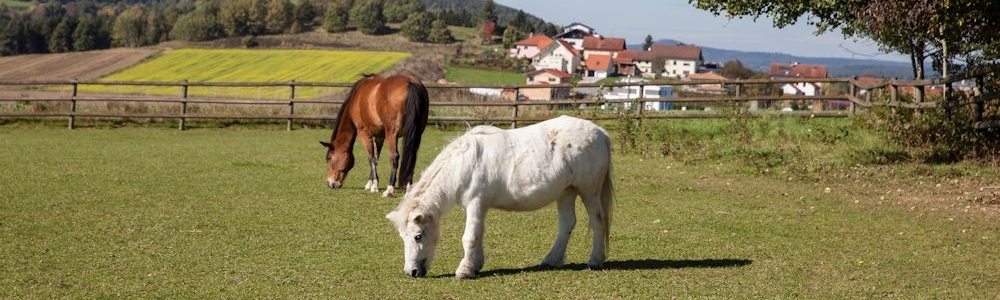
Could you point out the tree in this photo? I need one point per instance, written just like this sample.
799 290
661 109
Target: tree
520 21
400 10
648 43
510 36
336 19
417 27
85 36
305 15
61 39
439 32
734 69
279 16
198 25
156 28
367 16
487 13
129 27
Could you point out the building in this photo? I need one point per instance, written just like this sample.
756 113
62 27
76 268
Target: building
543 78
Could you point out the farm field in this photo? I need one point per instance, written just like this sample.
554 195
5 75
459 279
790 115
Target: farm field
242 212
243 65
478 76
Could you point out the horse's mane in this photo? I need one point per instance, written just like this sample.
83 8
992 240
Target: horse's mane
343 107
429 188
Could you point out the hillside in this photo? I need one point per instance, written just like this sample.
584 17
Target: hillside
88 65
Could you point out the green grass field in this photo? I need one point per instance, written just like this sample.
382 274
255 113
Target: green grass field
257 65
487 77
242 212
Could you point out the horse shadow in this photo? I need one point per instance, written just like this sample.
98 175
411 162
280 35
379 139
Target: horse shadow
641 264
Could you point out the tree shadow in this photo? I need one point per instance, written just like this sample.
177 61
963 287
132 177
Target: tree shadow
642 264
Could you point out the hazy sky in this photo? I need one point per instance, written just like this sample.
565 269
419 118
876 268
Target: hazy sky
676 19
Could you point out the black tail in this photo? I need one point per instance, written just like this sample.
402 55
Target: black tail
414 120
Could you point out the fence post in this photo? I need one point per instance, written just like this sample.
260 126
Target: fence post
639 105
184 104
72 104
517 94
291 104
977 94
851 91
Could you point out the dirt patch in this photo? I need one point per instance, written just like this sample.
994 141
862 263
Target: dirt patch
88 65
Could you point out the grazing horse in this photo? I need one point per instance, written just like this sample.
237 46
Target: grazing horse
517 170
378 110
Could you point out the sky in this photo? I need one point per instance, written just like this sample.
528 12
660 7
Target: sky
678 20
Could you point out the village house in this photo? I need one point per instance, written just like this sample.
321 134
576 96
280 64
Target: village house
559 55
574 34
797 70
593 45
546 77
531 46
676 61
598 66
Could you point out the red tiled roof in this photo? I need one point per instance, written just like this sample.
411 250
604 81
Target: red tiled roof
539 40
626 56
797 70
680 51
603 43
599 62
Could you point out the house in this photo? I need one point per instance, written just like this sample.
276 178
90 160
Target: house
705 88
596 45
598 66
574 33
676 61
531 46
624 63
559 55
546 77
797 70
646 91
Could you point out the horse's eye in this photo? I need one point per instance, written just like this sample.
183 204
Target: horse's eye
418 237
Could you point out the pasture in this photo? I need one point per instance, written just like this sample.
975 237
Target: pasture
242 212
244 65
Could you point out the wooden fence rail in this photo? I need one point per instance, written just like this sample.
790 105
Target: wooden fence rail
855 95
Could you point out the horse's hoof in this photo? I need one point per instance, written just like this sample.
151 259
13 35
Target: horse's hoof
388 192
464 276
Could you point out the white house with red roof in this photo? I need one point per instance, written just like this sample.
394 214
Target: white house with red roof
598 66
559 55
574 34
797 70
531 46
676 61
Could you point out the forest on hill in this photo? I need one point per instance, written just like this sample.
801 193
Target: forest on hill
68 26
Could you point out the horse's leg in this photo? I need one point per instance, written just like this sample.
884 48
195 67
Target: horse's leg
394 162
472 241
374 147
567 220
592 201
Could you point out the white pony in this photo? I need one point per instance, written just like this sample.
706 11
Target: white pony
518 170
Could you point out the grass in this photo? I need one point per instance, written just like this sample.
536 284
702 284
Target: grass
242 213
479 76
16 4
243 65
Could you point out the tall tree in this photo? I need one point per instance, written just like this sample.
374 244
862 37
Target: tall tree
85 36
417 27
305 15
367 16
61 39
336 19
440 33
648 43
279 16
129 27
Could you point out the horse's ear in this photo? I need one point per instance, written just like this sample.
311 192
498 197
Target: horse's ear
325 144
392 216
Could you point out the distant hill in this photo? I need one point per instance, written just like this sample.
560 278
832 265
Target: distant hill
837 67
504 13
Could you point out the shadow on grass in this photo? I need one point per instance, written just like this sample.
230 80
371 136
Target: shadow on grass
642 264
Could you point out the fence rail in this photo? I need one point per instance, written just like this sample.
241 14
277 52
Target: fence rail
854 93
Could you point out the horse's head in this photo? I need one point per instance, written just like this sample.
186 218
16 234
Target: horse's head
419 232
338 163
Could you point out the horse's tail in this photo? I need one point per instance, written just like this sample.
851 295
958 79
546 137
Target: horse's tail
415 114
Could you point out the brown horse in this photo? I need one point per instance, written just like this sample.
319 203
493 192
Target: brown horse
378 110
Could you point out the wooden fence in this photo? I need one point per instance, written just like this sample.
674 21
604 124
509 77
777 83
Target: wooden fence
738 93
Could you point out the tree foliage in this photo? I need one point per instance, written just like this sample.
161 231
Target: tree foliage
336 19
417 27
368 17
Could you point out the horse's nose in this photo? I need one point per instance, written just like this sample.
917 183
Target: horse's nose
334 184
413 273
